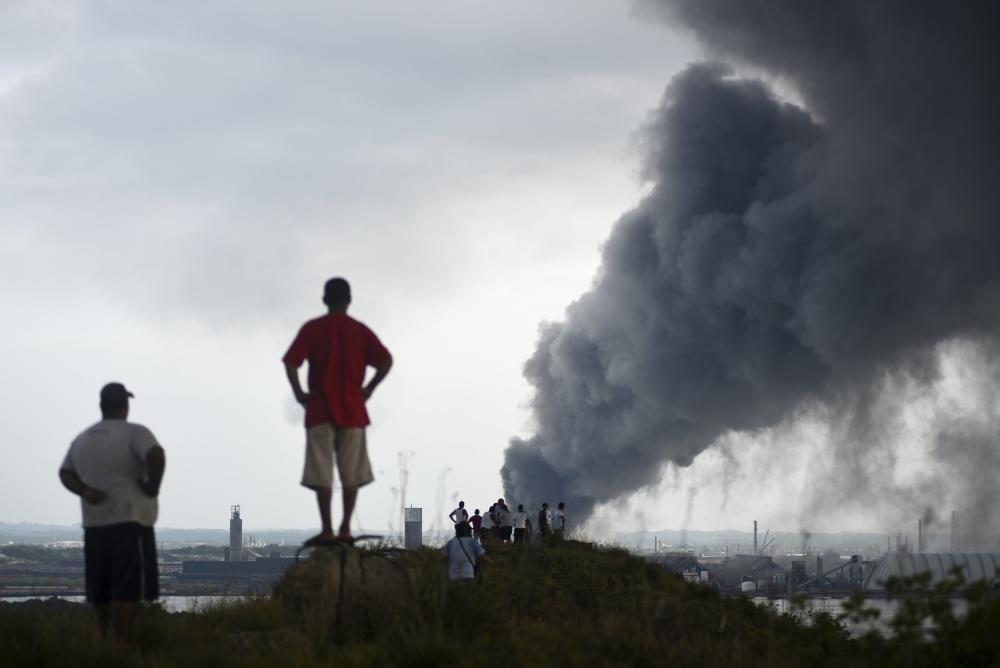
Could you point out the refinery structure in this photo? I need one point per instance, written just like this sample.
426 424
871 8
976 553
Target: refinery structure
247 565
765 570
243 567
760 568
235 550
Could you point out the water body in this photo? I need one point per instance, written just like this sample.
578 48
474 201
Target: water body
812 606
887 608
170 603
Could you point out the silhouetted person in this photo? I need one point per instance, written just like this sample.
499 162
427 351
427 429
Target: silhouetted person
521 524
506 519
460 514
339 350
491 524
559 520
544 521
116 468
476 522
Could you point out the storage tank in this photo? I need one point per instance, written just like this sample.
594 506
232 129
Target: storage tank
748 587
235 534
413 528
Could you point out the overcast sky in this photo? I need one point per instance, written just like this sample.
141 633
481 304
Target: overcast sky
177 183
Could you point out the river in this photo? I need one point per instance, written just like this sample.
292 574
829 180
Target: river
887 608
170 603
832 606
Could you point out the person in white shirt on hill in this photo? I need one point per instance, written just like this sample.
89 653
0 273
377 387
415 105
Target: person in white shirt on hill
559 520
463 553
116 468
522 525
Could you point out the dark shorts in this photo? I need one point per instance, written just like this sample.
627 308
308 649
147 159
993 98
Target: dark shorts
519 535
120 562
505 532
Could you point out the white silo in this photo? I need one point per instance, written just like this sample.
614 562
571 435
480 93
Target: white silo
413 528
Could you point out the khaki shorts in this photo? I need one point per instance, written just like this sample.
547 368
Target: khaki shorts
348 443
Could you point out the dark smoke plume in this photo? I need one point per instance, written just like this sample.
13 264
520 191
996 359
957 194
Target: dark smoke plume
787 254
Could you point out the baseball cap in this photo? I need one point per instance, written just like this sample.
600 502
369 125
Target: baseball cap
115 394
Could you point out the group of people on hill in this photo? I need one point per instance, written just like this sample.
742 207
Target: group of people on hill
116 467
501 525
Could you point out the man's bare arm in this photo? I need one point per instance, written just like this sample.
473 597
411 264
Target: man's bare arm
73 483
293 379
380 374
156 463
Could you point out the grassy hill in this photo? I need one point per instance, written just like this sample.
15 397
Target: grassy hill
565 604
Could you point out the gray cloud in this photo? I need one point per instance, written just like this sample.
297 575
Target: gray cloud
255 147
786 257
177 181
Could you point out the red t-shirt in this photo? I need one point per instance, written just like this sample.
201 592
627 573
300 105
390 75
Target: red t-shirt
476 521
338 348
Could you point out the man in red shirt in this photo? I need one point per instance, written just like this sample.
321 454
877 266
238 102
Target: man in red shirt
339 350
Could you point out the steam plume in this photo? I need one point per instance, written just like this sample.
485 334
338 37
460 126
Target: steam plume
786 254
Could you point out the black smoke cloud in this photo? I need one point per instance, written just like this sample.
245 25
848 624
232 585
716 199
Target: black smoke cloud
787 254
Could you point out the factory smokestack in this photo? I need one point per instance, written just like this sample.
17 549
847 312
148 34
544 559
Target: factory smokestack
235 534
789 256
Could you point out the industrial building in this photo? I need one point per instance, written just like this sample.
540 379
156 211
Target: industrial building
413 527
735 573
241 567
258 570
683 563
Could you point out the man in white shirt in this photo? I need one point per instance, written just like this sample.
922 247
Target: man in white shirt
116 468
521 524
460 514
559 520
487 531
463 553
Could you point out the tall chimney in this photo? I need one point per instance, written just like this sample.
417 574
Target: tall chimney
235 534
755 536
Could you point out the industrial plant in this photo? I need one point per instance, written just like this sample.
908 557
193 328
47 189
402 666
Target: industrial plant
243 568
766 571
